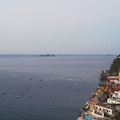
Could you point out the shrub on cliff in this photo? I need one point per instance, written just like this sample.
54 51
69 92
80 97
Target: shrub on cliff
115 66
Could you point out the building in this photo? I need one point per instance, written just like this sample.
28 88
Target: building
112 78
115 98
113 101
116 94
108 83
102 110
115 85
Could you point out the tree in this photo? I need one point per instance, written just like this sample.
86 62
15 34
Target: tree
115 66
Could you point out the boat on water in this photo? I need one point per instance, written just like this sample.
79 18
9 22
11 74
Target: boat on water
3 92
17 96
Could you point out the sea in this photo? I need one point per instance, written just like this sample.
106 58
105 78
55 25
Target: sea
34 87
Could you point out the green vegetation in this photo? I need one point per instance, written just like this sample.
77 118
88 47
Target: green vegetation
115 66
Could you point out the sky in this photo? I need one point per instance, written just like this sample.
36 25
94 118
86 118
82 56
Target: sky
60 27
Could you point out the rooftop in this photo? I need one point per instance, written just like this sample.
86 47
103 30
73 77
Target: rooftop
115 81
112 77
102 104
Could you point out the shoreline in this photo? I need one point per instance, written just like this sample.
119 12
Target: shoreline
103 104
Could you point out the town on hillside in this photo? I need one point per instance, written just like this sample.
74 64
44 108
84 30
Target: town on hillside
104 104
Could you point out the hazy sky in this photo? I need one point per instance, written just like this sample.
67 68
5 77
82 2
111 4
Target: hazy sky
60 26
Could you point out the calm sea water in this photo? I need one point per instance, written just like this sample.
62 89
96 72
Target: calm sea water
48 88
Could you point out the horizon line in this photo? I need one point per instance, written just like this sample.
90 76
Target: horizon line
59 54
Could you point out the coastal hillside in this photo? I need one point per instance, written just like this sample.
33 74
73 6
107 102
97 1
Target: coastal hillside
113 71
104 103
115 66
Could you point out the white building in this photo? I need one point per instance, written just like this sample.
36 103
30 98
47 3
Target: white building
115 81
113 100
113 77
100 110
116 94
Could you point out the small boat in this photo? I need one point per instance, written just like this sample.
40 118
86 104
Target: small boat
29 96
3 92
17 96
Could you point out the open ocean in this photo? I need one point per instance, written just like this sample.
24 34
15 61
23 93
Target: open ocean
48 88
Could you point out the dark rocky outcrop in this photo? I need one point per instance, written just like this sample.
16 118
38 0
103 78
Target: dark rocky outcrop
113 71
104 75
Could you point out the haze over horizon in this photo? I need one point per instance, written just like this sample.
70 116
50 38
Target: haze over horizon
60 27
